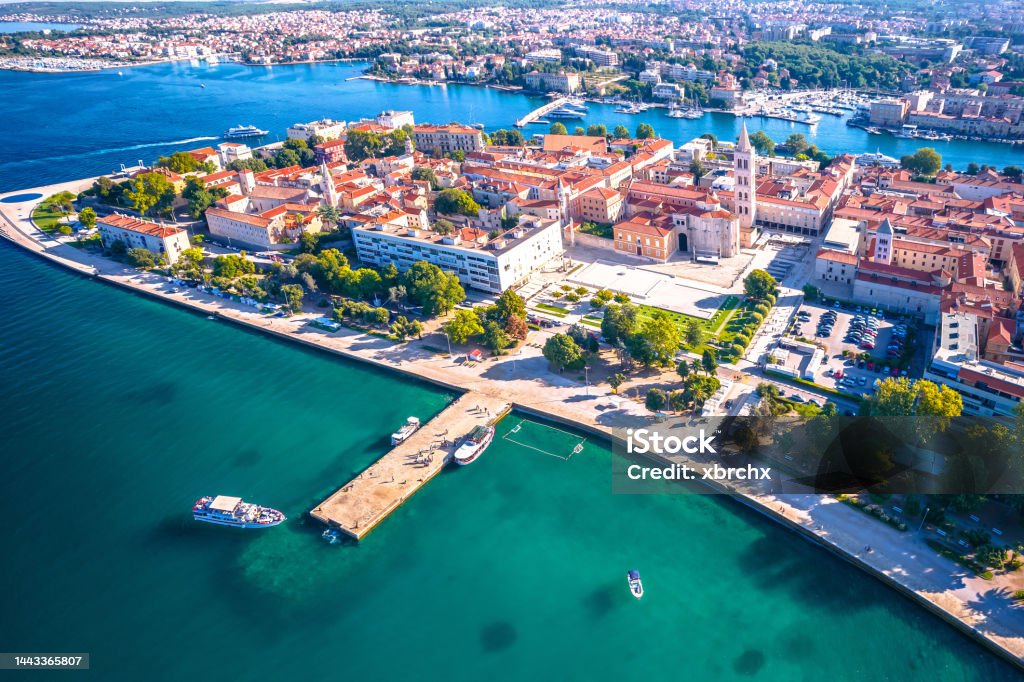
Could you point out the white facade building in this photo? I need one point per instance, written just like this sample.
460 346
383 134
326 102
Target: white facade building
134 233
493 266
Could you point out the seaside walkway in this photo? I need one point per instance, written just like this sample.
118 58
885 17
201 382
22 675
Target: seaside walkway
541 111
370 497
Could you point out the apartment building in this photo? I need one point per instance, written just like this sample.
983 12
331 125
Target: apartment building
491 265
444 139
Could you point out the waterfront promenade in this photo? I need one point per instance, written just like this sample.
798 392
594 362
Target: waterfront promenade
984 610
370 497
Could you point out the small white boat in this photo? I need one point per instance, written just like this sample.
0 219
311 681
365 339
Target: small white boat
409 428
635 585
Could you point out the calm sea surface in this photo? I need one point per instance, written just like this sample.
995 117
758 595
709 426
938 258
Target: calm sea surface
117 412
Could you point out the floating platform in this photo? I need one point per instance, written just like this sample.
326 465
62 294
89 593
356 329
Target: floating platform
370 497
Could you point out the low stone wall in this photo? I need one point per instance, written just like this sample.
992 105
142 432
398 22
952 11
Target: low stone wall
593 241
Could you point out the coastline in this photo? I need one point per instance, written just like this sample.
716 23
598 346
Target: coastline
802 513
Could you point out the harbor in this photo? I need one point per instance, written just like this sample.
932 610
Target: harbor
362 503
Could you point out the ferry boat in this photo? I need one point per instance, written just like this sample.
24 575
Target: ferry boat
635 585
474 445
244 131
408 428
232 511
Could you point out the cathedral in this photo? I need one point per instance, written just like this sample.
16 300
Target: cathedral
664 220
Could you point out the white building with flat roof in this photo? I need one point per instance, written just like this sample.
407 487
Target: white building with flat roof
986 388
325 129
491 265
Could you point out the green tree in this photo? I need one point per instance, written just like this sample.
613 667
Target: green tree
199 197
562 352
644 131
656 400
179 162
330 215
762 143
620 132
381 316
683 369
507 138
150 191
925 161
759 284
1012 172
657 341
558 128
510 303
616 380
620 322
495 337
443 226
710 136
292 294
141 258
579 131
455 200
708 361
233 265
698 169
693 333
361 144
426 174
796 143
597 130
87 216
429 286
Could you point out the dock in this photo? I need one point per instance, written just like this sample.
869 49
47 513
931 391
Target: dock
542 111
359 505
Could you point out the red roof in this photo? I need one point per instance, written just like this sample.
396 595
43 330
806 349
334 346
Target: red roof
145 227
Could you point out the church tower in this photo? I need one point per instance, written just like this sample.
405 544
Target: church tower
883 243
327 188
745 171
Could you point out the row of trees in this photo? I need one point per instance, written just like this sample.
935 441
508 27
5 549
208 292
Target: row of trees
644 131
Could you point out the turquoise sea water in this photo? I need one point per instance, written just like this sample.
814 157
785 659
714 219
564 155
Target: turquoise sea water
117 412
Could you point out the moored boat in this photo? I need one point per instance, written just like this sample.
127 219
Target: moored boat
635 585
474 445
224 510
408 428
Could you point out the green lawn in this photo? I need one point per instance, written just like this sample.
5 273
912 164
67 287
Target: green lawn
552 309
46 217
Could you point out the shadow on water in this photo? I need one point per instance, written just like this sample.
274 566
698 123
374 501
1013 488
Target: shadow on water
600 602
772 569
497 636
248 457
158 393
749 662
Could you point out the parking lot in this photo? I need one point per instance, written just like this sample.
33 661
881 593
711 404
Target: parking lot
860 345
